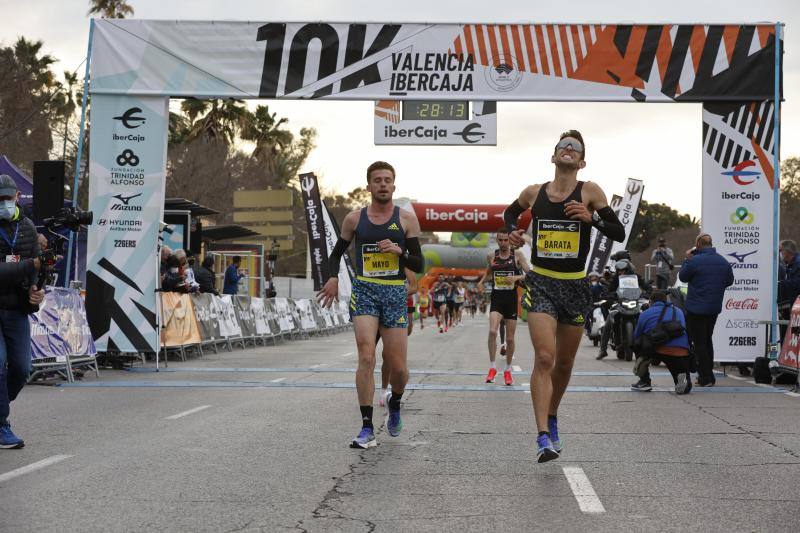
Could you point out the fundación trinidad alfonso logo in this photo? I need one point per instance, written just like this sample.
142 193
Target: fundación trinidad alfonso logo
742 216
740 175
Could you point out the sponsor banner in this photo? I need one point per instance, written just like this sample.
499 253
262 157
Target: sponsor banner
464 218
272 316
228 322
259 316
790 350
601 245
628 207
244 314
126 193
306 314
179 322
207 319
59 328
346 271
388 61
435 123
738 181
317 247
285 317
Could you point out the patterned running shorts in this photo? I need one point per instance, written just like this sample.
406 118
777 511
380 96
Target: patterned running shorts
387 302
566 300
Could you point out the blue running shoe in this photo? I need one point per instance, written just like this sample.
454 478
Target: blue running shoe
552 427
7 438
546 450
365 439
394 424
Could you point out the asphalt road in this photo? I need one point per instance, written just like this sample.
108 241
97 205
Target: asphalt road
257 440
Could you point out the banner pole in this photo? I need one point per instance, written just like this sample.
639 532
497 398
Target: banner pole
79 155
776 193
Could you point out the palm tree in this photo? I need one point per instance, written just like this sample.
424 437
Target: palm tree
110 9
64 105
265 131
215 120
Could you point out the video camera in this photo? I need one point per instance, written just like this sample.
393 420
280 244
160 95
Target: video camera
69 218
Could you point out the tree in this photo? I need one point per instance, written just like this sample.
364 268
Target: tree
653 220
27 88
264 129
110 9
790 198
215 120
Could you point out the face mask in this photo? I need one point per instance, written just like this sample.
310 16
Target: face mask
594 283
8 208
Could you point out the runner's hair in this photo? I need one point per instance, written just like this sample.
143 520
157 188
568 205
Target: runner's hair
380 165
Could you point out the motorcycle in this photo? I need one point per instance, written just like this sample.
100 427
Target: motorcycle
626 311
594 329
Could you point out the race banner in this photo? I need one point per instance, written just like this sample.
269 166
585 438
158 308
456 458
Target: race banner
244 314
206 313
738 185
228 323
272 316
628 207
285 318
59 328
467 62
469 218
178 322
259 316
790 350
435 123
346 271
601 245
127 171
317 247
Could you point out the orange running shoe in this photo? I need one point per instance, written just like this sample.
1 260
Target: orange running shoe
507 378
491 375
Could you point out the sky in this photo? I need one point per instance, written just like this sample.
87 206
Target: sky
657 143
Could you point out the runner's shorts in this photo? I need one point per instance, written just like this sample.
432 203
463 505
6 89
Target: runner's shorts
506 305
566 300
387 302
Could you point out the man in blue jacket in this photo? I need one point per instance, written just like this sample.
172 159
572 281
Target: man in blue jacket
708 275
673 353
232 276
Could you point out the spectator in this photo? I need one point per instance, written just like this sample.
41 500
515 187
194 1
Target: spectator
789 281
664 260
166 251
708 275
205 276
674 353
232 276
173 279
186 270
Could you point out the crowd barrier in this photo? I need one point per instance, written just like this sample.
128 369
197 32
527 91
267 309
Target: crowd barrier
199 322
60 338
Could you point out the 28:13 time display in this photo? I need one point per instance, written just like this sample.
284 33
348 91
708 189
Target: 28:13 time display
438 110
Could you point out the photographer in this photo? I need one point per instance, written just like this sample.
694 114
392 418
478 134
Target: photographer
664 260
19 252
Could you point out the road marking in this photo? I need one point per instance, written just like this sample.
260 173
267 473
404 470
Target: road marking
516 368
316 368
33 467
189 412
583 491
276 380
348 354
321 365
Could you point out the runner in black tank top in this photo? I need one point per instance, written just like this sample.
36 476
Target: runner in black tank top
557 296
505 267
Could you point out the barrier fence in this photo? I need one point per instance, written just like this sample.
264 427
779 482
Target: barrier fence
198 322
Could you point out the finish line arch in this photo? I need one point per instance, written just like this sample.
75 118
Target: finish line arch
734 71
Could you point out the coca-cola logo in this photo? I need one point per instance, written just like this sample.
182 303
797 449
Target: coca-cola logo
747 303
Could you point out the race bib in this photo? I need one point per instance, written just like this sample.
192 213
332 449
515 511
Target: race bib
503 281
12 259
377 264
558 239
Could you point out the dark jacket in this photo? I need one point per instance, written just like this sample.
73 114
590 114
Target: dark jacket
708 275
232 277
649 318
16 278
789 284
205 278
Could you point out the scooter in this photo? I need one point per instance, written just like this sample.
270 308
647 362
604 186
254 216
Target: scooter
596 323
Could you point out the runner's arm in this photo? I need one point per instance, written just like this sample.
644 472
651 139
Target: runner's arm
522 262
412 282
604 218
518 206
342 243
412 256
486 272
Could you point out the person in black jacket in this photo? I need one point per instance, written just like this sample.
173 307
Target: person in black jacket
205 276
19 261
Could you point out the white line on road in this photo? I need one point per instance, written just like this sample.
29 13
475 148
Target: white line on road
32 467
276 380
348 354
189 412
516 368
320 365
583 491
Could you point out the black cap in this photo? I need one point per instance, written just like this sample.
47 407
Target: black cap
8 187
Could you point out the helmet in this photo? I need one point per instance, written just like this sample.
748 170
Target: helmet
624 265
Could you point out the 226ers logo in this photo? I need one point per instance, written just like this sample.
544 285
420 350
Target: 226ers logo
558 239
377 264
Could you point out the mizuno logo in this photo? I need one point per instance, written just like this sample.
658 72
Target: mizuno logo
125 199
741 257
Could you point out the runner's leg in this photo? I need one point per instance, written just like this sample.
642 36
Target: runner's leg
366 330
542 328
568 338
511 329
495 319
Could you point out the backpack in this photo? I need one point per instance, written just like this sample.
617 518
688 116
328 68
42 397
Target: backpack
663 331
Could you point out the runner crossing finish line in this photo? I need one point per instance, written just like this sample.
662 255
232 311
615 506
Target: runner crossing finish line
387 242
557 298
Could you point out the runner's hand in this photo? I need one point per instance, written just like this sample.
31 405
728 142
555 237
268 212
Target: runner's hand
578 211
329 292
515 237
387 245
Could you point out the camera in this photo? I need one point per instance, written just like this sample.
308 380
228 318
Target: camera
70 218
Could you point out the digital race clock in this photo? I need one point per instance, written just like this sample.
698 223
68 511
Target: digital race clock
435 110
